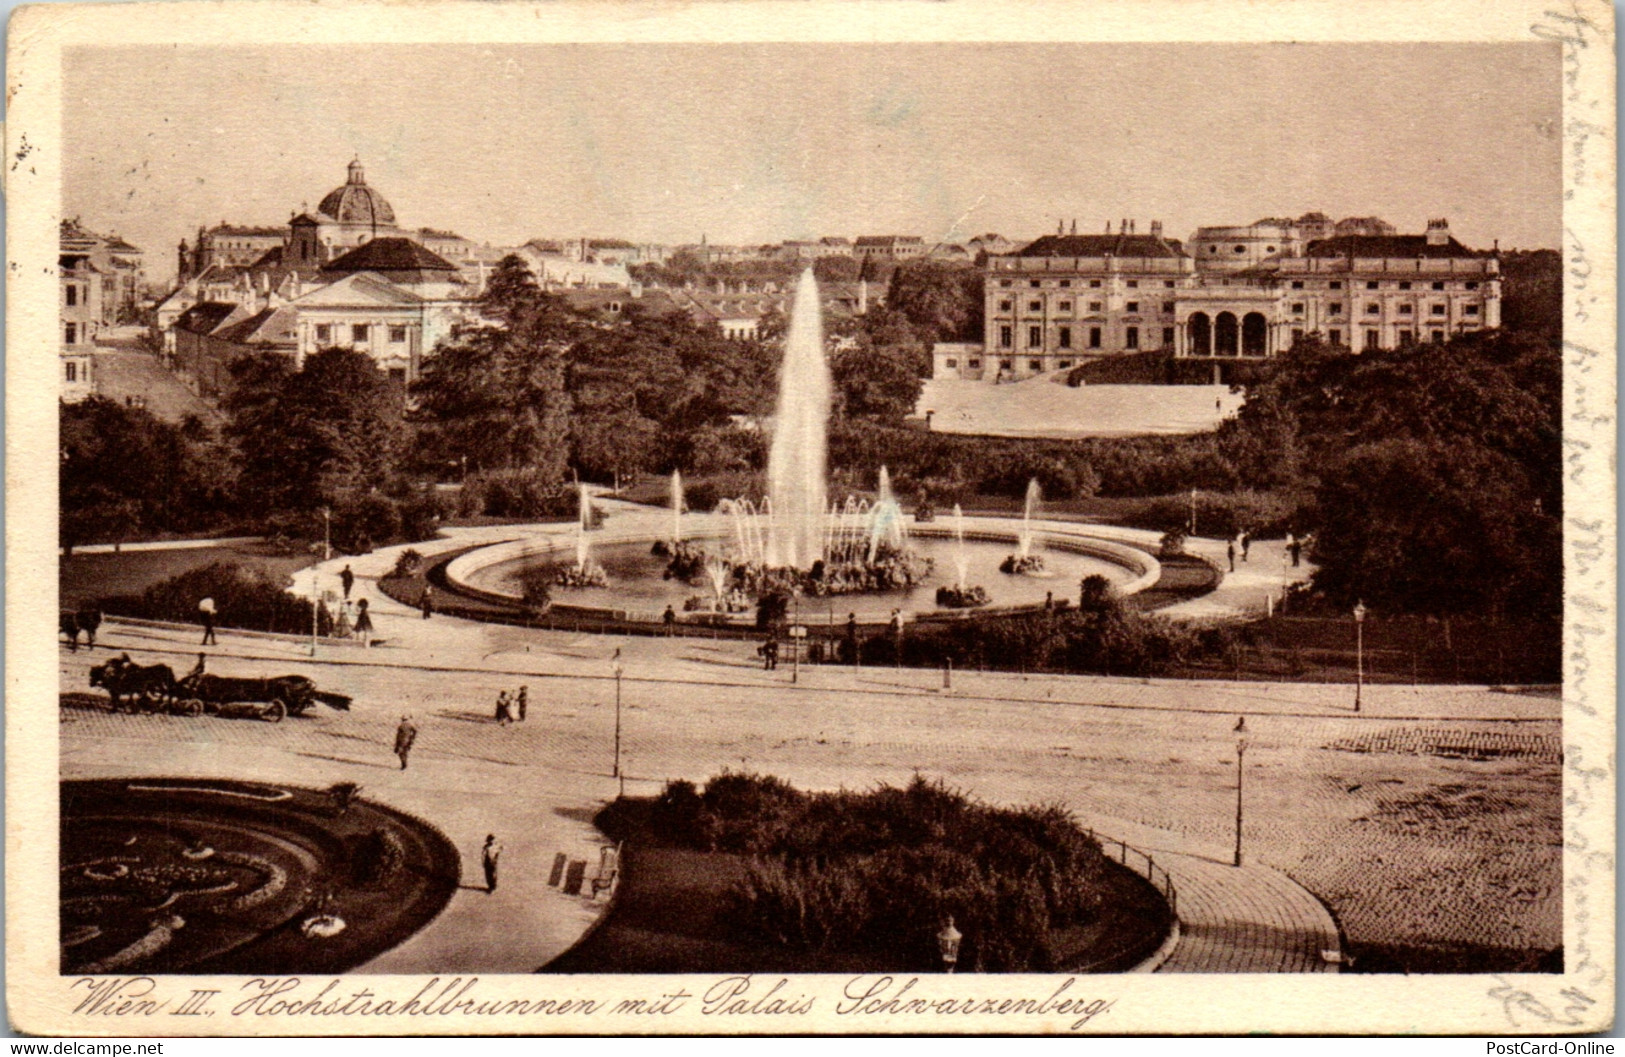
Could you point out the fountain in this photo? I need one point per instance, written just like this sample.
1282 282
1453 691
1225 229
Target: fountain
1024 560
797 539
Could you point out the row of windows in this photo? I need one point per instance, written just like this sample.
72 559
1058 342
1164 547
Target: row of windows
1094 284
1375 284
1373 337
1063 337
1094 306
359 332
1372 308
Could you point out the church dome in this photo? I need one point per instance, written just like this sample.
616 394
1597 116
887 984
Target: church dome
355 202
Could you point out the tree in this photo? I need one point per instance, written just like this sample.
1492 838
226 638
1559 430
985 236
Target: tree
305 438
943 302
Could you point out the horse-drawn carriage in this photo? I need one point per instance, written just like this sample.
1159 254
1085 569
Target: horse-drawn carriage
154 688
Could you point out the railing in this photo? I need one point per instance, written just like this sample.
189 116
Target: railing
1144 864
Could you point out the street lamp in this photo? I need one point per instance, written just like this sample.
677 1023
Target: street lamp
327 534
948 943
1241 751
617 771
1359 652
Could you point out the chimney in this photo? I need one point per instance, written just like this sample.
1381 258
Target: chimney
1060 227
1074 225
1438 232
1156 228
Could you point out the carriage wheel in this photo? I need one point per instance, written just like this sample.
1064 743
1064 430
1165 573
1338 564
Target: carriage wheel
191 707
143 704
275 712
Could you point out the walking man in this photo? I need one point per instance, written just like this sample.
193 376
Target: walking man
427 602
205 613
852 637
1246 544
1230 553
669 617
347 579
488 858
504 717
770 652
405 735
1296 547
524 693
363 622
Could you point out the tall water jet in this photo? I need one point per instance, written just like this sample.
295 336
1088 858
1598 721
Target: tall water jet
583 523
676 507
1024 544
795 464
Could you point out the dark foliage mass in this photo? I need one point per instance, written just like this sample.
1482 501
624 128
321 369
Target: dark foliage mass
245 597
880 872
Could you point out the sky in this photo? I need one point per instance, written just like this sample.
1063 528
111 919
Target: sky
758 143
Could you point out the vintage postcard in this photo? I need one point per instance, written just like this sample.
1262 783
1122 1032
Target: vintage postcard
852 518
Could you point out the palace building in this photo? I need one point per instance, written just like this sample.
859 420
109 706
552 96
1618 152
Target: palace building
1238 293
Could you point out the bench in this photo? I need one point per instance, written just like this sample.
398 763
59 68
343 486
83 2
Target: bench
609 865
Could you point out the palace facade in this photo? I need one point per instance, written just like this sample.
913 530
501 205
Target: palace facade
1240 293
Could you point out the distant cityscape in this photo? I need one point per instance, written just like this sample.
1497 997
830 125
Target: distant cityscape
348 274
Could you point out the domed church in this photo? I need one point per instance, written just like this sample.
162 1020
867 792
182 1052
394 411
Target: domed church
349 215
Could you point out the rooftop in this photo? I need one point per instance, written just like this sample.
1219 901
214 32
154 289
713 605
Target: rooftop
392 254
1103 246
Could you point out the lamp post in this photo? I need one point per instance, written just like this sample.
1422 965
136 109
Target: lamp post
327 534
616 773
1193 513
948 944
1241 751
1359 652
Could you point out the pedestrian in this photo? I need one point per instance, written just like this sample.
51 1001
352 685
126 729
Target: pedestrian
669 617
347 578
405 735
488 858
852 637
197 670
427 602
897 633
504 716
770 653
205 613
1296 547
1246 544
342 628
524 694
363 622
1230 553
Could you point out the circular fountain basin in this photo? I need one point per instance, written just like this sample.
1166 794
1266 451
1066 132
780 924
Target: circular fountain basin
637 590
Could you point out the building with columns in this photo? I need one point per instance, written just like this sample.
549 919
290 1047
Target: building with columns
1240 293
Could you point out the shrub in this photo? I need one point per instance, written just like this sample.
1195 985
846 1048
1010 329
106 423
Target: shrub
516 494
407 563
244 597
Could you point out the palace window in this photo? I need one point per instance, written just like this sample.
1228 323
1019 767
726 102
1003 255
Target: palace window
1297 284
71 334
71 368
1168 283
1241 249
1066 284
1005 365
1405 286
1335 308
397 335
1335 284
1297 335
1132 306
1471 310
1437 310
1436 336
73 299
1406 338
1096 306
1065 306
1034 283
1406 310
1005 306
974 365
1334 336
1438 285
1167 307
1035 337
1094 337
1167 337
1064 364
1004 282
1297 308
1472 286
1005 337
1035 365
324 332
1134 284
358 332
1094 284
1131 337
1373 309
1065 337
1372 284
950 363
1373 338
1035 306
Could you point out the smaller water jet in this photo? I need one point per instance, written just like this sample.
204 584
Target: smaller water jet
585 572
959 595
1024 561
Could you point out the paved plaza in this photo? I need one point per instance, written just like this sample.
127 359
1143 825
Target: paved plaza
1357 829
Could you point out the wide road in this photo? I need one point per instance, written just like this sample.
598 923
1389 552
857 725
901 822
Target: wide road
1430 823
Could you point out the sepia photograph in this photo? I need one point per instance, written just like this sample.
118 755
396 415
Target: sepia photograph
582 532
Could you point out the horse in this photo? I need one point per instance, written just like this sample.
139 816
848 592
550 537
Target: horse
85 620
122 677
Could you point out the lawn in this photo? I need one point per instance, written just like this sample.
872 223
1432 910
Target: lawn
83 578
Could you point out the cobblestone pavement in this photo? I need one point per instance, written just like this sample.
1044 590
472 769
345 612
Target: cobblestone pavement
1405 845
